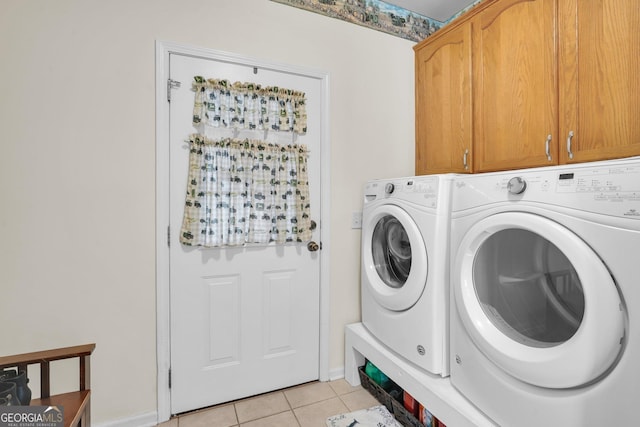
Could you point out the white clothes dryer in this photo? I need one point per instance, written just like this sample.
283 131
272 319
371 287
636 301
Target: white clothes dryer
545 294
405 260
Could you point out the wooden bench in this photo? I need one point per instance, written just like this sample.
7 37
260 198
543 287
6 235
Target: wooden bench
76 404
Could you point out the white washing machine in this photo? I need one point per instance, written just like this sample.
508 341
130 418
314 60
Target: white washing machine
545 294
405 257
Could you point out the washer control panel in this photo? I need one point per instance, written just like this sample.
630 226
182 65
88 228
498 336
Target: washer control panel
422 190
389 187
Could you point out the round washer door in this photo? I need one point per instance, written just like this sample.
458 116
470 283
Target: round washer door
394 257
537 300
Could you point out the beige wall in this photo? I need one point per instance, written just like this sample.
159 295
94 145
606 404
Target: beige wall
77 165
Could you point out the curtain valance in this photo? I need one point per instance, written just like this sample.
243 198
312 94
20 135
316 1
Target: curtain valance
220 103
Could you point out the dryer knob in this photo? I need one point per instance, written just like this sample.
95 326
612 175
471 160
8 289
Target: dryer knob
388 189
517 185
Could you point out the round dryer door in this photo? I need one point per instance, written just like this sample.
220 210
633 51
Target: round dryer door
394 257
538 301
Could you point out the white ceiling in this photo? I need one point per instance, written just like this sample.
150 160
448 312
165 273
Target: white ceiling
440 10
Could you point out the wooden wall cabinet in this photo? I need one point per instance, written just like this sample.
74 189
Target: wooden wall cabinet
514 85
550 82
599 64
443 103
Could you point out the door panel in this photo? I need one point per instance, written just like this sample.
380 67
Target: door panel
443 104
223 314
277 308
244 320
515 101
600 89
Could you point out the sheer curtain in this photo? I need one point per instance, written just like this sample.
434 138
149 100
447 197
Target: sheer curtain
245 191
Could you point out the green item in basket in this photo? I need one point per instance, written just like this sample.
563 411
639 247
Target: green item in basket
376 375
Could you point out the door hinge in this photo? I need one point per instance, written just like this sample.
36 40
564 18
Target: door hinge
169 378
168 235
171 84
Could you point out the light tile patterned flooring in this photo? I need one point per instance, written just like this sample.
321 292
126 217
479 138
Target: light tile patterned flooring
307 405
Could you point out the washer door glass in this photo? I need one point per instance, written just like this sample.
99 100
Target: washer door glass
391 251
537 300
394 257
528 288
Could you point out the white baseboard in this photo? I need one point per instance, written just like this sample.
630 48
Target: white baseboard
148 419
336 374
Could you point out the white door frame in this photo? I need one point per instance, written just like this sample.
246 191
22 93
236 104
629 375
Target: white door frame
163 342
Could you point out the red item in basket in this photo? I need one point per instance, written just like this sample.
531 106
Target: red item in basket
410 404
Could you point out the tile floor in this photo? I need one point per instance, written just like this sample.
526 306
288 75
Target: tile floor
307 405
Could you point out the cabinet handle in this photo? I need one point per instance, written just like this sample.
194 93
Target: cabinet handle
546 147
464 159
569 144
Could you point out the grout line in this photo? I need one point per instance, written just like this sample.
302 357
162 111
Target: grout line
295 417
235 411
287 399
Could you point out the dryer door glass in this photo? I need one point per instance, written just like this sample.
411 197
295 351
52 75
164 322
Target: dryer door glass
535 299
391 251
528 288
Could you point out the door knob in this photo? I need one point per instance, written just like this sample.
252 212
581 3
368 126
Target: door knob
313 246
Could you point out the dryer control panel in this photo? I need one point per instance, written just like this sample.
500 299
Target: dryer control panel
609 188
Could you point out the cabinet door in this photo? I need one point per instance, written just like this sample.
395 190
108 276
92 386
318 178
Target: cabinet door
515 89
443 103
599 46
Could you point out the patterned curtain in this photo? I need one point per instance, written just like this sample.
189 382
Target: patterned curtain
245 191
219 103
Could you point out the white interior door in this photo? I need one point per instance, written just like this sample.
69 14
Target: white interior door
243 321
